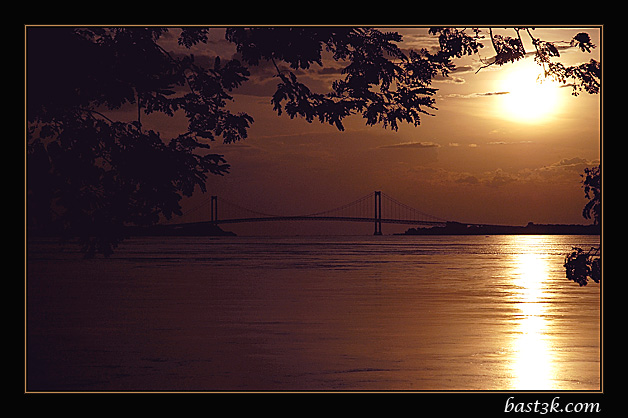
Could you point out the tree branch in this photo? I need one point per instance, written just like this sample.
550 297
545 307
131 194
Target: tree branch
94 112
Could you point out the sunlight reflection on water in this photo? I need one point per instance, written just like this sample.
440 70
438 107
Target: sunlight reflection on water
533 366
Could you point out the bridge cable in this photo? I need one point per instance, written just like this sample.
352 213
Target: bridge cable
340 208
410 208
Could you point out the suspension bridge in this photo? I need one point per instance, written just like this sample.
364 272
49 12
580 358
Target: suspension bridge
376 207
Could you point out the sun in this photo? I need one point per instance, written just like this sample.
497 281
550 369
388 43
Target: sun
527 96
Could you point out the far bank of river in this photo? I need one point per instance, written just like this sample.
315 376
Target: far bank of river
455 228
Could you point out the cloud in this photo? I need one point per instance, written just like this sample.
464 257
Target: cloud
476 95
464 69
575 164
448 79
329 70
457 144
425 144
508 142
500 178
493 93
468 180
570 162
565 171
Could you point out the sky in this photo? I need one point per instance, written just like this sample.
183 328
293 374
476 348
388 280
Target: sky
501 148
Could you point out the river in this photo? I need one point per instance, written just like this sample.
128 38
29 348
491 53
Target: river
377 313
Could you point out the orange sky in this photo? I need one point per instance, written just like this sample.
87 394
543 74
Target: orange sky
478 160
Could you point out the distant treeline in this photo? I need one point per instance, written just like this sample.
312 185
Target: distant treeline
455 228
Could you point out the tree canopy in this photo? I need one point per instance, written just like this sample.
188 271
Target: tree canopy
580 265
89 176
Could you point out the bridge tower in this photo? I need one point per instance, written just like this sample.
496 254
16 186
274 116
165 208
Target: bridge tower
214 209
378 213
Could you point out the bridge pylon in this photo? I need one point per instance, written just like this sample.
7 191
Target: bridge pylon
214 210
378 213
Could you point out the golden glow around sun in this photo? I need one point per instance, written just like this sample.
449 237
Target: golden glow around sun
527 96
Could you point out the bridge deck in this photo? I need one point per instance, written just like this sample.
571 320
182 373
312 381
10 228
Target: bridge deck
316 218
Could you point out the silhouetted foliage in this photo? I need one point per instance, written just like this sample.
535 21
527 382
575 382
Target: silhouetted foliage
90 176
581 266
381 82
592 184
581 77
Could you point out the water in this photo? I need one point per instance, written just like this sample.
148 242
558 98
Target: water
313 313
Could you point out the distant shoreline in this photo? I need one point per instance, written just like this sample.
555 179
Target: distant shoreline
455 228
450 228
